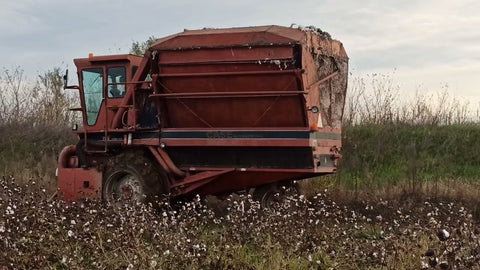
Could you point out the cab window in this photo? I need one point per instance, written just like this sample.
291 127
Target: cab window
116 82
92 81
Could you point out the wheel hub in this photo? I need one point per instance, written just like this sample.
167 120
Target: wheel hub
128 187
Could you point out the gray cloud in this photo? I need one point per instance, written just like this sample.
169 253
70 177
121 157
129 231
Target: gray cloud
415 37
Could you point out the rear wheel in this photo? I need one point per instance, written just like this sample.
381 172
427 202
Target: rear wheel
273 195
269 196
132 176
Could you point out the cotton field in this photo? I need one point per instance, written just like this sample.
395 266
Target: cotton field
40 232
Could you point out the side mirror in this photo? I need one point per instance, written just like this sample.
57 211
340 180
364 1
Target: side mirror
65 79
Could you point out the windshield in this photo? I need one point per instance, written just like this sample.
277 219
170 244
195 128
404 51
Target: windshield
92 81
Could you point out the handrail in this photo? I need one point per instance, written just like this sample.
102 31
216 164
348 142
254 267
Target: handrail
230 94
233 73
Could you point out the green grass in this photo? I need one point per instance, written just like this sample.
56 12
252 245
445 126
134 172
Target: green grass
374 156
378 155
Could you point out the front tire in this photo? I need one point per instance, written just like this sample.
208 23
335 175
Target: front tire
132 176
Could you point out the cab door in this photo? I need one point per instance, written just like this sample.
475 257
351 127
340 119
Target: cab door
93 95
103 88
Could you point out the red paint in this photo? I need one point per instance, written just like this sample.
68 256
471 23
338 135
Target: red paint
77 183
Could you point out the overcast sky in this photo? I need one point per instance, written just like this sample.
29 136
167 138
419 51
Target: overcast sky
424 44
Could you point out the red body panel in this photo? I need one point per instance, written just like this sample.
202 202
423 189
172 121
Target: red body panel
77 183
239 180
235 70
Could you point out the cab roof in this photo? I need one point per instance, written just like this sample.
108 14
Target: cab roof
242 36
107 58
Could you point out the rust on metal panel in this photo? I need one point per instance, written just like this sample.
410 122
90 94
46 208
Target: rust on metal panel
321 59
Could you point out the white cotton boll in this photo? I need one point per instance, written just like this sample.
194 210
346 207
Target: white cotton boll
443 235
9 211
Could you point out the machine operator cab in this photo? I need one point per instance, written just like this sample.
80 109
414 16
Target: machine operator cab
103 84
